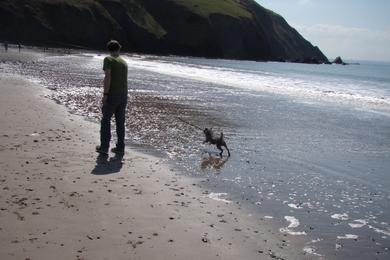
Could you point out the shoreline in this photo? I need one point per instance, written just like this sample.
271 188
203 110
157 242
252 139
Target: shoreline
53 201
276 187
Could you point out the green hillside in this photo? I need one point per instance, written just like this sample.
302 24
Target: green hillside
205 8
234 29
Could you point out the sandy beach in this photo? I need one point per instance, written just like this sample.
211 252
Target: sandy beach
59 200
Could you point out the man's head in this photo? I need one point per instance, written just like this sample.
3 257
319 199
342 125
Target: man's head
113 46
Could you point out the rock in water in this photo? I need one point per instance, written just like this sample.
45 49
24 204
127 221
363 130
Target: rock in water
338 60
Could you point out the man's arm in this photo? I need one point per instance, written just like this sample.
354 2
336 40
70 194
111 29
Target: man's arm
107 83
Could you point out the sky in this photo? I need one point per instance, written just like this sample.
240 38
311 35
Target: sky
352 29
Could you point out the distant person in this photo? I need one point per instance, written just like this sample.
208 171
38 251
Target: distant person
19 47
6 46
114 99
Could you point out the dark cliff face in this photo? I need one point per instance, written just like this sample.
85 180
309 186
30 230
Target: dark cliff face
284 41
51 22
216 35
219 28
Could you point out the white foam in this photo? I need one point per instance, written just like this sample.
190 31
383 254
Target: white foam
343 216
316 240
348 236
294 223
268 217
377 230
329 90
217 197
360 223
294 206
310 250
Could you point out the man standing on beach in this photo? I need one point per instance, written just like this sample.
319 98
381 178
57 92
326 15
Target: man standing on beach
114 99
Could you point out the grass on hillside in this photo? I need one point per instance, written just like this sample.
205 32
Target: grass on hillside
207 7
134 11
143 19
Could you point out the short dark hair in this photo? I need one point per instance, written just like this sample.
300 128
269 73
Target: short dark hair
113 46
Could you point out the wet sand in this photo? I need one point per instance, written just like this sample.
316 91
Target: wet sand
60 200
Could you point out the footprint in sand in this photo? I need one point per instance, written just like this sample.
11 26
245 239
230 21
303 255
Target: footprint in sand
19 216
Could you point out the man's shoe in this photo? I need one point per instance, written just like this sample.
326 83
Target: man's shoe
100 150
117 151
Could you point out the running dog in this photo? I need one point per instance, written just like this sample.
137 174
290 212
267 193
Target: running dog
218 141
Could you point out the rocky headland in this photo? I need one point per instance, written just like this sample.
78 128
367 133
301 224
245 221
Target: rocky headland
227 29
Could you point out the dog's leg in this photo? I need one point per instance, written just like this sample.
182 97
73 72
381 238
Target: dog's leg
219 147
227 150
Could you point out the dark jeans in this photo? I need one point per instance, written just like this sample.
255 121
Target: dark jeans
116 104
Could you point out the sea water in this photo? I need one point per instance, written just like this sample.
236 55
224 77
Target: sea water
310 144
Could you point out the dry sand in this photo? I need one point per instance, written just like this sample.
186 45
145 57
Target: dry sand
59 202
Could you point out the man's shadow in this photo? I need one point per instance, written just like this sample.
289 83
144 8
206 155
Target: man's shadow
105 165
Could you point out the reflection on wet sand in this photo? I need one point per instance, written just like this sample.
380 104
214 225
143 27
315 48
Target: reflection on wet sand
211 162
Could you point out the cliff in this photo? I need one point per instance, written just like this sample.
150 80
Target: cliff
232 29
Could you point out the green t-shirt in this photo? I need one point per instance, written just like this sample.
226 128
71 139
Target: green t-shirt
118 69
